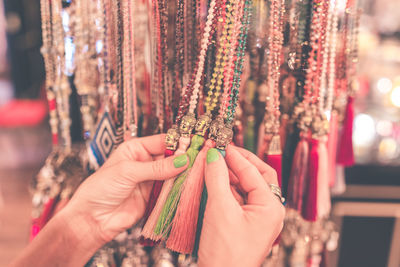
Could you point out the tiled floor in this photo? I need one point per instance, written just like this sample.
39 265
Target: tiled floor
22 153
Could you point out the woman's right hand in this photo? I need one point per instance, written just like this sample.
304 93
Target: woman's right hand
239 231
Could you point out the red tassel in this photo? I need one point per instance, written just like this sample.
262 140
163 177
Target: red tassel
309 210
332 147
275 161
274 156
183 233
346 154
297 175
155 192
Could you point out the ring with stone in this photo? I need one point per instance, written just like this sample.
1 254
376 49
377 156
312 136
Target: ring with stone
276 190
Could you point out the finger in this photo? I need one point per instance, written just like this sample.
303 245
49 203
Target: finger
250 178
233 178
266 171
139 149
239 198
136 171
217 177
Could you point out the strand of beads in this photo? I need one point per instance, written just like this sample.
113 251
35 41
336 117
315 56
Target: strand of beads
234 96
238 11
62 88
201 60
222 57
47 51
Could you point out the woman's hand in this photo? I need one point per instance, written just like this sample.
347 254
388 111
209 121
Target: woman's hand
115 197
239 228
105 204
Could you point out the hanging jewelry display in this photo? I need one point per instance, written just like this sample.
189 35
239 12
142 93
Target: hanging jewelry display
136 74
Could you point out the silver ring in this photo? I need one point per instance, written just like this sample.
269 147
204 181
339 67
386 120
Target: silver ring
276 190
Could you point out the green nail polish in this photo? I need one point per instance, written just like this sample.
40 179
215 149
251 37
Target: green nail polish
212 155
180 161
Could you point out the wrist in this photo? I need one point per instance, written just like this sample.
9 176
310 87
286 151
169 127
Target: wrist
80 231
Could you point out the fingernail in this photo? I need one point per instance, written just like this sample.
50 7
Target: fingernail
212 155
180 161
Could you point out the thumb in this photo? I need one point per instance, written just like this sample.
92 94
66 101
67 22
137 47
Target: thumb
161 169
217 176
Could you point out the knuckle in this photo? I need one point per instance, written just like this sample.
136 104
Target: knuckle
248 169
124 168
158 168
272 173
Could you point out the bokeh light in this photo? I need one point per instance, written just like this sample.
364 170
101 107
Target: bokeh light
395 96
384 128
384 85
364 130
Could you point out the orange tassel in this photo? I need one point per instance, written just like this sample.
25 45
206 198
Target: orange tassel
183 233
332 147
283 130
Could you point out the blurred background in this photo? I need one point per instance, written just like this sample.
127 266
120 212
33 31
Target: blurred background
366 206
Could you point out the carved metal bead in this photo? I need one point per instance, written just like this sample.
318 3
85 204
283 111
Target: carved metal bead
172 138
187 124
224 137
202 124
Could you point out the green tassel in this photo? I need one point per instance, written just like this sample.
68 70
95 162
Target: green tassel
203 203
163 225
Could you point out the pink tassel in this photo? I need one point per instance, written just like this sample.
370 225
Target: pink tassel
309 210
148 229
332 147
155 192
47 212
346 154
183 233
297 175
35 228
323 193
39 223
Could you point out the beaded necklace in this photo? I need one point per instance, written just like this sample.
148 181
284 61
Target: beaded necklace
224 134
234 95
47 51
222 57
238 13
202 55
179 44
275 47
85 63
62 88
130 104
